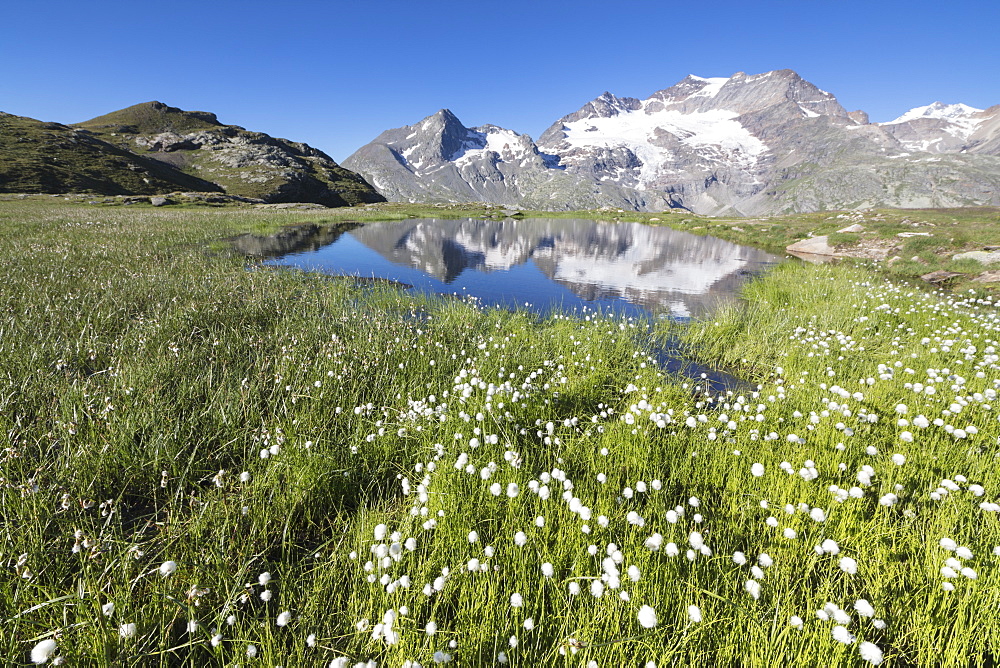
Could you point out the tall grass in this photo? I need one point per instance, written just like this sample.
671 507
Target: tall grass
298 445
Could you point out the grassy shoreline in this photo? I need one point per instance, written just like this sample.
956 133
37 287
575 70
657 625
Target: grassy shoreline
142 378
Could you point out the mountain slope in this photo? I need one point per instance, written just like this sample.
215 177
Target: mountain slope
757 144
52 158
441 160
241 162
948 128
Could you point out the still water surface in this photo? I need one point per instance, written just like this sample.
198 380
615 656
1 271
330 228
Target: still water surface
544 263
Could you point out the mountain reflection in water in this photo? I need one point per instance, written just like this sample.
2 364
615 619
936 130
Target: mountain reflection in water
547 263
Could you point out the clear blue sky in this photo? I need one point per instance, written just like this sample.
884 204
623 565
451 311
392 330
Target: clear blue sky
335 74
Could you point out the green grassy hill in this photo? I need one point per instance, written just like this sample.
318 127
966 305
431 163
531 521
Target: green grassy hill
153 148
52 158
242 162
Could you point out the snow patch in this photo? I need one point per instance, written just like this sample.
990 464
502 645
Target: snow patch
712 85
497 140
714 134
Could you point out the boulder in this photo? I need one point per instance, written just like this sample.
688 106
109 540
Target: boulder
159 201
992 276
982 257
855 228
815 246
939 276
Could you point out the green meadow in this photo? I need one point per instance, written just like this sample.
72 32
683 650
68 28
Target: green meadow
205 463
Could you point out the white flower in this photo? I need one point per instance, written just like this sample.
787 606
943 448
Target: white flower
647 617
948 544
765 560
818 514
795 622
757 470
284 618
516 601
753 588
520 538
739 558
43 651
264 578
906 436
694 613
654 542
898 459
217 640
192 626
547 569
830 546
870 652
126 630
380 531
168 568
266 595
848 565
473 536
864 608
529 624
596 588
251 651
841 634
108 609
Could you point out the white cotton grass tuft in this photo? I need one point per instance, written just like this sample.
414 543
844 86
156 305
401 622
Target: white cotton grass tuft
864 608
43 651
795 622
284 618
647 617
757 470
842 635
694 613
127 630
168 568
870 652
848 565
516 600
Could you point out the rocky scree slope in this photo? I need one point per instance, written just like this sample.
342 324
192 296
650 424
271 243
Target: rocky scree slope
759 144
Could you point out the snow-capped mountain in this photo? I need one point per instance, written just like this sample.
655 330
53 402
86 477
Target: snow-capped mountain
745 144
948 128
441 160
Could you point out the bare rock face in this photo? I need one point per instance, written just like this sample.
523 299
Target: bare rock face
758 144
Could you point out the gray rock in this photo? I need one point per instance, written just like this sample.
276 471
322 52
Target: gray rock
855 228
160 201
939 276
992 276
813 246
982 257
